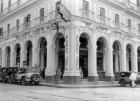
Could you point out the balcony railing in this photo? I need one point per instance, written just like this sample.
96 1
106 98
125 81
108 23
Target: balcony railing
51 17
14 6
28 26
118 25
103 20
130 29
87 14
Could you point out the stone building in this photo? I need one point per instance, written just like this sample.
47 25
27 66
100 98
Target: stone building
100 36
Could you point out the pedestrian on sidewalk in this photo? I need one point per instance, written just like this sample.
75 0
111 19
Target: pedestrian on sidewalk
57 76
133 78
81 72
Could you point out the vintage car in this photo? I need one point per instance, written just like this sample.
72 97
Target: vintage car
24 76
5 72
125 79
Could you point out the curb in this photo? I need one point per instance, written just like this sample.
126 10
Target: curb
78 86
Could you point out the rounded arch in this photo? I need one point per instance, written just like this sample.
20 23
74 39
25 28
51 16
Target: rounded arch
59 43
8 56
117 58
129 57
28 47
42 54
85 54
17 50
102 57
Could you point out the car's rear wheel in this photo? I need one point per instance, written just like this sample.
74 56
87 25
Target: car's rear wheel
23 81
37 83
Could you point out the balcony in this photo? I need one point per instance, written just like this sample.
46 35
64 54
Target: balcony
87 14
131 30
104 20
15 6
118 25
27 27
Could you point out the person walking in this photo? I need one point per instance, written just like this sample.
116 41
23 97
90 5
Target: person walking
57 76
133 78
81 72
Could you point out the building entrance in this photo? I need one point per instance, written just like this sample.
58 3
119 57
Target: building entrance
83 56
43 57
60 49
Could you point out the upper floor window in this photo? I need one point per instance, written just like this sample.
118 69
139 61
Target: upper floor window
42 14
85 8
8 28
9 3
102 14
17 24
1 31
117 19
1 5
27 21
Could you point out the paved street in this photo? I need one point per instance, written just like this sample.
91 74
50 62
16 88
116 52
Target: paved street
16 92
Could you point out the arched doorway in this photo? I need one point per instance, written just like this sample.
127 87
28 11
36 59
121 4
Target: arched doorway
60 53
43 56
116 59
138 51
17 54
29 53
0 57
8 53
83 55
101 58
129 57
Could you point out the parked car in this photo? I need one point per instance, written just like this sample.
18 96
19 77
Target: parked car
24 76
125 79
5 72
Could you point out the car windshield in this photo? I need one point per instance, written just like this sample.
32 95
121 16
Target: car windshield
22 70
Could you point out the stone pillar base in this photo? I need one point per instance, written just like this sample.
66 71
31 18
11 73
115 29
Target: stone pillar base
72 79
110 78
93 78
50 78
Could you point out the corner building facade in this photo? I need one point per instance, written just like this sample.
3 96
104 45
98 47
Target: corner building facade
101 36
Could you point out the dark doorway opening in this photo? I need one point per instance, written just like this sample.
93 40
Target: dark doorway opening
83 55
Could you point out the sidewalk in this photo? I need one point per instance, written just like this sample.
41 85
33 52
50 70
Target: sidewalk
87 84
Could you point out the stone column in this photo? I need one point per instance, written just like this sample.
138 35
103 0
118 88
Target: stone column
12 57
109 72
23 53
116 62
123 68
3 57
135 60
51 62
93 76
72 73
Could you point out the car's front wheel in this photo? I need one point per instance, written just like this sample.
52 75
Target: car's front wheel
23 81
